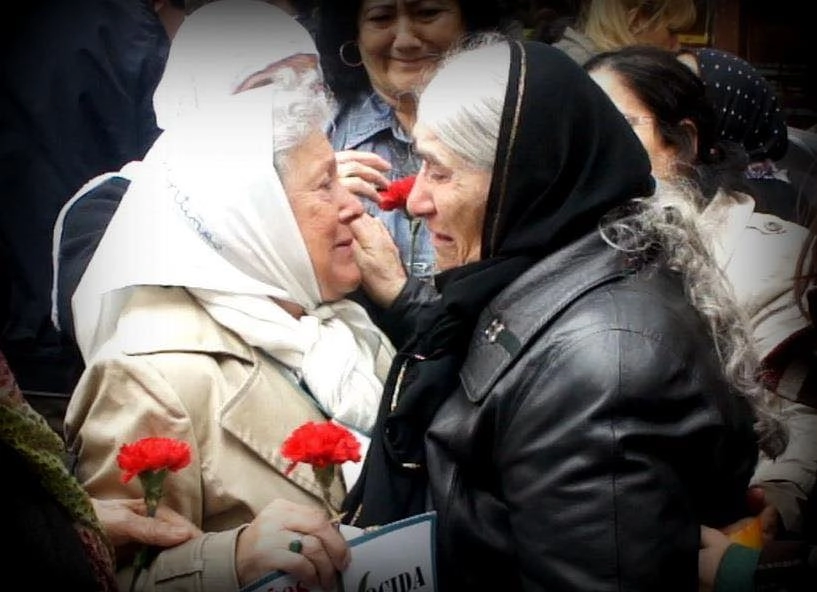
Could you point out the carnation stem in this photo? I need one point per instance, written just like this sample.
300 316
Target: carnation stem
152 482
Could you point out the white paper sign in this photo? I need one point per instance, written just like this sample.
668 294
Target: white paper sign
396 557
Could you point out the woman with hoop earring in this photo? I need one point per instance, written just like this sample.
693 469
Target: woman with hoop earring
375 55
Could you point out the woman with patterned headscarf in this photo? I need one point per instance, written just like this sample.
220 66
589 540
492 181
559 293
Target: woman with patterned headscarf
748 114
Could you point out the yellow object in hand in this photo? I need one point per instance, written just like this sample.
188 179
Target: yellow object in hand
751 535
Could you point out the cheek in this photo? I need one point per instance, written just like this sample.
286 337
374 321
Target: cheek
661 155
444 33
317 221
371 43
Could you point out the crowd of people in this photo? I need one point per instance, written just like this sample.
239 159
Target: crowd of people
586 340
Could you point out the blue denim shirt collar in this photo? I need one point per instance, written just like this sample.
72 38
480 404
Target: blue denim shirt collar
366 116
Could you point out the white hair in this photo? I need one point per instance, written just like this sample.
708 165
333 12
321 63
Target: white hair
300 107
464 111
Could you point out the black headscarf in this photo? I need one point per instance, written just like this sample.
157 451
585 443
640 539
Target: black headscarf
565 157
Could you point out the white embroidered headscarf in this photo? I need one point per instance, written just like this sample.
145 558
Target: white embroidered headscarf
215 50
207 211
219 46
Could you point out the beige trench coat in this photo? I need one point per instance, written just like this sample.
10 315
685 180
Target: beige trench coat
171 371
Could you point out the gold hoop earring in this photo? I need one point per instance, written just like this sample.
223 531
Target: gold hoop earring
342 53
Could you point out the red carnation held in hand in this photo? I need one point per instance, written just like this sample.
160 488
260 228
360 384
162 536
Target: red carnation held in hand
396 194
325 446
151 459
152 454
320 445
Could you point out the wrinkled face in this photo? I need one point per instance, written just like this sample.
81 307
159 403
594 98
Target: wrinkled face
662 155
323 209
400 39
451 196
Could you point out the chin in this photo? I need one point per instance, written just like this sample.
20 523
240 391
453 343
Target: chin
402 85
340 288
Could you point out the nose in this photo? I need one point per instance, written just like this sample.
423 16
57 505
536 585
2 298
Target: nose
350 206
404 35
419 202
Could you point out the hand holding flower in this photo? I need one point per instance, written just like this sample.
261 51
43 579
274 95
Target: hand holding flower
264 546
151 459
126 521
362 172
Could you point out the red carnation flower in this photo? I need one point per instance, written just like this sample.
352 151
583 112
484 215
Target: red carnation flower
150 459
323 445
152 454
320 445
396 194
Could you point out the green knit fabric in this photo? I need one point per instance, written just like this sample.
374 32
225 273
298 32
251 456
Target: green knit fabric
736 572
27 432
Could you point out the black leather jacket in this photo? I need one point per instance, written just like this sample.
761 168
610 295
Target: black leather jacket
592 434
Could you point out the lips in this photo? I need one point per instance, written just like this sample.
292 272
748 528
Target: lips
416 60
439 237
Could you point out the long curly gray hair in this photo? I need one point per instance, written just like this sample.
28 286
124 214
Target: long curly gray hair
669 223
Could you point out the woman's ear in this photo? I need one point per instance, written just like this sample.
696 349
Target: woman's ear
691 132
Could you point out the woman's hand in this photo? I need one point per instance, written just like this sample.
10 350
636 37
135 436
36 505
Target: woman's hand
362 172
126 521
264 546
383 276
715 542
713 545
769 516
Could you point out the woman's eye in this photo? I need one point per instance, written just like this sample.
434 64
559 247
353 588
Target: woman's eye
437 175
428 14
379 17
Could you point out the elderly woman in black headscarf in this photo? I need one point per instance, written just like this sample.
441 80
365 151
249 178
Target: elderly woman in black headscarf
567 405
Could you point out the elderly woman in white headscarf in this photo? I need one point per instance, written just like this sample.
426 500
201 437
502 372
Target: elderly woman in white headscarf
213 312
221 49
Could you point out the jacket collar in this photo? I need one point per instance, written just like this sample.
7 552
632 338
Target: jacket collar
520 311
259 414
725 219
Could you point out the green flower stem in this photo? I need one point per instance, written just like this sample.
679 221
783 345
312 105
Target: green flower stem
152 485
324 476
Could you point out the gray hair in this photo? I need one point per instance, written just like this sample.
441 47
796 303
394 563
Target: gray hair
669 222
464 111
300 107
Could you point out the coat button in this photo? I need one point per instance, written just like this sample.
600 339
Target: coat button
773 226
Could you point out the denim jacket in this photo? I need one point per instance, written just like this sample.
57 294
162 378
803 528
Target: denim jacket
368 123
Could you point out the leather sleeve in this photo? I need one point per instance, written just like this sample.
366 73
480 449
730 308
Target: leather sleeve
600 461
398 321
